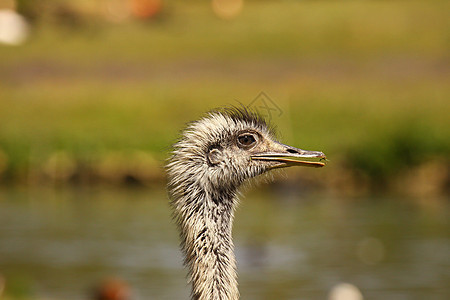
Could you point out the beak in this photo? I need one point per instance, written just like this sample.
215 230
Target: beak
287 156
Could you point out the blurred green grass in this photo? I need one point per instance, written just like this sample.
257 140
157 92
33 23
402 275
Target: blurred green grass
358 80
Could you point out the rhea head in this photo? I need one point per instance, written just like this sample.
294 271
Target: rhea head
231 145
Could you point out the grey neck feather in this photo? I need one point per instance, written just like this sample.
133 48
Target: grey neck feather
205 223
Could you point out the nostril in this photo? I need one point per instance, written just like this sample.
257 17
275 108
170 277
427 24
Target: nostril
292 151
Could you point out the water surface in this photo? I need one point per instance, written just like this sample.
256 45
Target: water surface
60 242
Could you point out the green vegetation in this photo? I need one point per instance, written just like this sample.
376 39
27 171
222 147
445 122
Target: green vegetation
366 82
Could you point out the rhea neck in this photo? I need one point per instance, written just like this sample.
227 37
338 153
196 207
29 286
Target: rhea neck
206 224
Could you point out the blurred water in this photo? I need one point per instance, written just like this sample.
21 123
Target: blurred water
61 242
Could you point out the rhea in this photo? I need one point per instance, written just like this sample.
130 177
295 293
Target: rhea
213 158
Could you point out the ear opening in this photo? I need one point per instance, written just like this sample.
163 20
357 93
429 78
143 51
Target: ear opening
214 156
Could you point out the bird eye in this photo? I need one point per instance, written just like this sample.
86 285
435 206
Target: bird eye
246 140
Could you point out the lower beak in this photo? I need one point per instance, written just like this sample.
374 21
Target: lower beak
290 156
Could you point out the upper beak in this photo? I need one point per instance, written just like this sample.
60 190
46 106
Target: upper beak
288 156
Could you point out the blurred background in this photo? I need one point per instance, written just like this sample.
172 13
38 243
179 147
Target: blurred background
93 93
